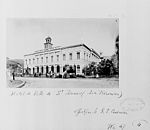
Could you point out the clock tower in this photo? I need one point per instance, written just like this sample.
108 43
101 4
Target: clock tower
48 44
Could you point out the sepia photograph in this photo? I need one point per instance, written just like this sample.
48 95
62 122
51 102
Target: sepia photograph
75 65
62 53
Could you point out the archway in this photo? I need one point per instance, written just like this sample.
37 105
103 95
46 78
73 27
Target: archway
33 70
64 68
74 68
47 69
52 68
71 69
37 69
58 68
42 70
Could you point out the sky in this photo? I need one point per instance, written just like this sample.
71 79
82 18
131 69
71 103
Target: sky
25 36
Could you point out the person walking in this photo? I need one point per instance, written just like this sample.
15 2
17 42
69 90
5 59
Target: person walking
13 74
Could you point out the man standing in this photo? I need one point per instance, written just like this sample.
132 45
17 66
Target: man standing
13 74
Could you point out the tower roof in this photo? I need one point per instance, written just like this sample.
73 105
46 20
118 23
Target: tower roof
48 38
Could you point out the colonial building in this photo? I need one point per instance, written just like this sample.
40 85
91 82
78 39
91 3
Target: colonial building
55 59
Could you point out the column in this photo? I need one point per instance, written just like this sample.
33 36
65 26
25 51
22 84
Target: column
49 68
31 70
55 68
44 69
61 69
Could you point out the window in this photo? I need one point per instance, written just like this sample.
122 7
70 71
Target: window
87 56
78 55
37 60
51 58
46 59
57 57
64 57
78 68
29 61
33 60
70 56
26 61
41 59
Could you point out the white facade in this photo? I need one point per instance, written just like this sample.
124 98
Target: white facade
55 58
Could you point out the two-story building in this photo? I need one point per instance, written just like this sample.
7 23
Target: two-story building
56 59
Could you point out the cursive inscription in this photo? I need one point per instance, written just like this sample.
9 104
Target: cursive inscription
116 126
103 110
68 92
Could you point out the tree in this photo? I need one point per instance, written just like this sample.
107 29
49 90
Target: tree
105 68
90 69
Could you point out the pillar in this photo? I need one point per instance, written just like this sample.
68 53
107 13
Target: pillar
55 68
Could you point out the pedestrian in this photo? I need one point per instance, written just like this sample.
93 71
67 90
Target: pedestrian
13 74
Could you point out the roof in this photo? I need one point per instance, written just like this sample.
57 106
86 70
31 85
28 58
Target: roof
61 48
48 38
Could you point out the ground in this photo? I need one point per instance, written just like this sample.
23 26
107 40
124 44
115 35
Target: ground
14 83
69 83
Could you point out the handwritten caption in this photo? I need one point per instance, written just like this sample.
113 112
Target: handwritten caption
97 110
67 92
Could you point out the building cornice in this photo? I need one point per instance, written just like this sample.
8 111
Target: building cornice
62 48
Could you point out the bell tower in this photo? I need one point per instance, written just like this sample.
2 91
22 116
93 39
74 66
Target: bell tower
48 44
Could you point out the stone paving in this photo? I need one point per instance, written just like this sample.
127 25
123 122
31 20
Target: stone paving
14 83
70 83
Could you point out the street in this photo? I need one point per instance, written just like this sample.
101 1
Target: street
69 83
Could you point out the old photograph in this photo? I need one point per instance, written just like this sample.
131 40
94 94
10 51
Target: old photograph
62 53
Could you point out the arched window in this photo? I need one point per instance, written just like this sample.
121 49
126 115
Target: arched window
64 57
51 58
70 56
57 57
41 59
46 59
